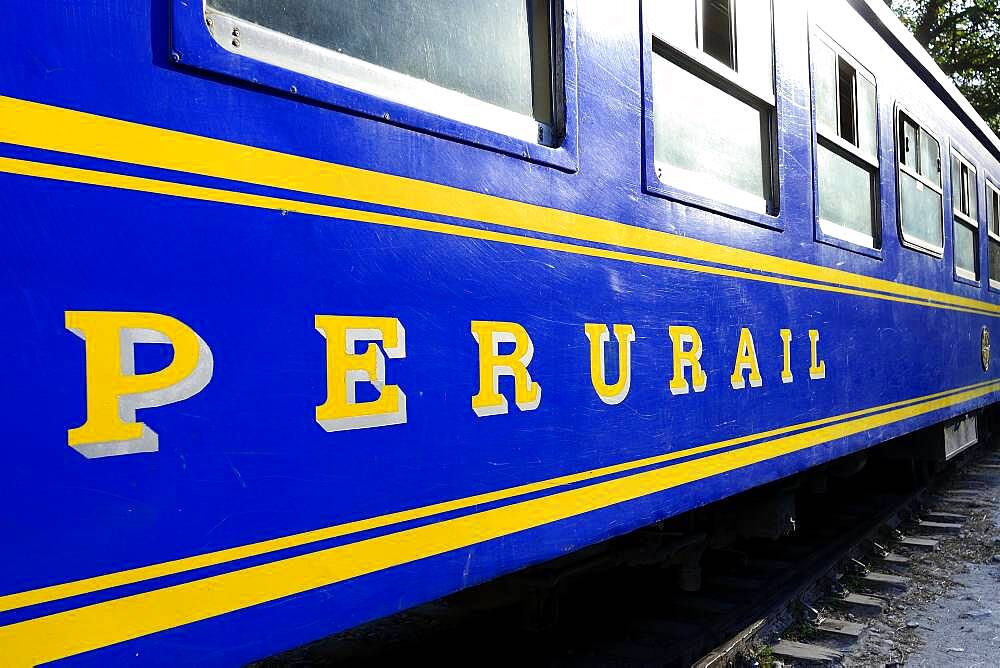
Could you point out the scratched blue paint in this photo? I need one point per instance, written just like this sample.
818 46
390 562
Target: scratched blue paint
244 460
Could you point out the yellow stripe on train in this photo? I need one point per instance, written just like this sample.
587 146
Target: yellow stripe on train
36 125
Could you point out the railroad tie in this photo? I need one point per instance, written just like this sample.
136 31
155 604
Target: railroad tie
805 652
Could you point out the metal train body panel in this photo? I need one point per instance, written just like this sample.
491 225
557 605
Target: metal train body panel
133 183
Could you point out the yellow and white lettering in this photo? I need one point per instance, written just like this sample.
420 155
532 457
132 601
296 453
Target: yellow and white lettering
115 391
598 336
786 355
817 367
527 393
345 369
681 336
746 359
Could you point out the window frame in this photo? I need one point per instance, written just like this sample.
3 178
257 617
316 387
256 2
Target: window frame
707 68
957 217
193 45
917 245
991 237
829 232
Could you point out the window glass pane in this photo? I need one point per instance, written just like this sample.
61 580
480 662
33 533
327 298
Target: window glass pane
993 210
754 52
965 247
482 48
710 135
867 129
920 211
908 145
996 212
930 155
972 194
994 260
956 184
717 31
825 73
673 21
845 192
847 117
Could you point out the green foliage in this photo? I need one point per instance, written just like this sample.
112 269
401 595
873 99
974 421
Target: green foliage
764 657
963 36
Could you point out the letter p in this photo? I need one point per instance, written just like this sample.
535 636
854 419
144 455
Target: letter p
115 391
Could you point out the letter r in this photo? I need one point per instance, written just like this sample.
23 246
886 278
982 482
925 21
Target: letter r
687 354
492 365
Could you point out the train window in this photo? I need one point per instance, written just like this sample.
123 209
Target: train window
846 146
483 62
921 216
713 98
964 188
993 232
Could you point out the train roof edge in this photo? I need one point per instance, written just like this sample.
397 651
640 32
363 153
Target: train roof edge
898 36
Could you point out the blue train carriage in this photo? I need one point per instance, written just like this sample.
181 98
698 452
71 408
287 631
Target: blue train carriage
316 311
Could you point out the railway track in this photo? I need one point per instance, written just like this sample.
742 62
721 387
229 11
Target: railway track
673 596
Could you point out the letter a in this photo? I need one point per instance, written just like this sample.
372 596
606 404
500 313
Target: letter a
115 391
746 359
